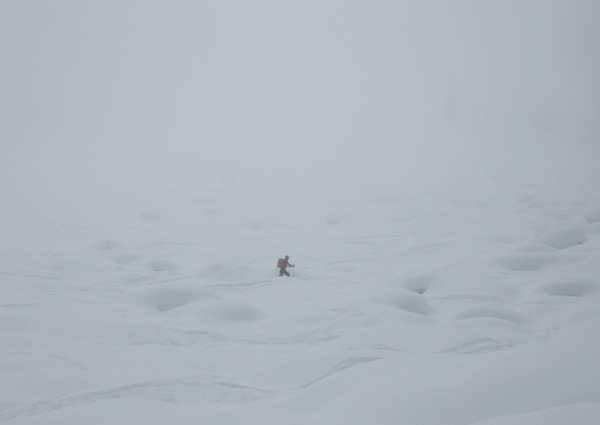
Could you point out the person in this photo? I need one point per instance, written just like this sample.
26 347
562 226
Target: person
283 265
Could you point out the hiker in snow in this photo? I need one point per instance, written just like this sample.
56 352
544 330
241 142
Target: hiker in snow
282 264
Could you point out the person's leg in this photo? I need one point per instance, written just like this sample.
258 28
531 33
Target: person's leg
286 273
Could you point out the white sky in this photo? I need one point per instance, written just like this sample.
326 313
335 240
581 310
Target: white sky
129 94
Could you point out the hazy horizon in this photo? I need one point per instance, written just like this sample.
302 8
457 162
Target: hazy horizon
313 97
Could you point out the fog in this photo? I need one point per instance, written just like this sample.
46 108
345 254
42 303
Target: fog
109 102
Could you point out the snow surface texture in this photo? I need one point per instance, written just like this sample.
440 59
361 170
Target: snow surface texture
430 167
437 312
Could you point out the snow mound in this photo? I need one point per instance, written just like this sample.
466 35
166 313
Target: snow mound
592 216
563 238
533 247
163 266
167 297
410 302
572 287
419 284
525 262
593 228
502 314
580 414
548 374
222 272
148 412
125 259
302 369
231 311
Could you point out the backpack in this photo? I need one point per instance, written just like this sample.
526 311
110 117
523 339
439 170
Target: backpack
281 263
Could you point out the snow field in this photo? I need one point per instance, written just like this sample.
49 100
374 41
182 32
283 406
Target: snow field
400 312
